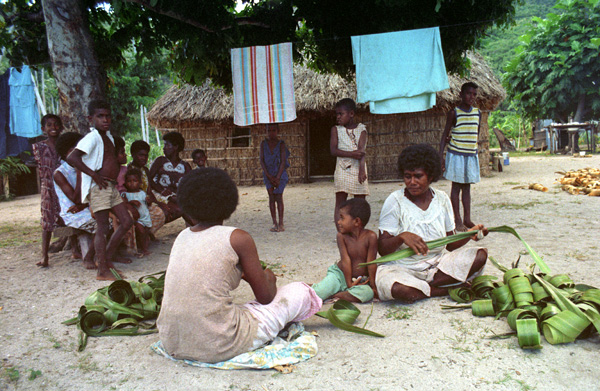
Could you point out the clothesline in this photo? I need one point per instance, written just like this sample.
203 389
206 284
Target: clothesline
77 64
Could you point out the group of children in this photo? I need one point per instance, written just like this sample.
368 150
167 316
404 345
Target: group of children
86 186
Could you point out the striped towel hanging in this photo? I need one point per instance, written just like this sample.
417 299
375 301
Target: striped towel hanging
263 84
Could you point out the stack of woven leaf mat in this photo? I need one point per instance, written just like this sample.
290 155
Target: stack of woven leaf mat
122 308
562 310
583 181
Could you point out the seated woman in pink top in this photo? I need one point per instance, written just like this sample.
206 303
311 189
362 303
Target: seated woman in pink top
198 319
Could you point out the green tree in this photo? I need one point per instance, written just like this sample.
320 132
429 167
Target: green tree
556 73
83 38
137 82
498 46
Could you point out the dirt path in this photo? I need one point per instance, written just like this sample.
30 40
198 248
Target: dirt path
424 346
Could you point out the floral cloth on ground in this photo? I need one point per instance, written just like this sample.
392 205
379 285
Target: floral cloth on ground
297 346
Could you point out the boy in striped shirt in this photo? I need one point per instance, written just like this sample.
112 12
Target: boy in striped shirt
461 165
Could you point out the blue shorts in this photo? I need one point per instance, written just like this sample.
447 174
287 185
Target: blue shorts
462 168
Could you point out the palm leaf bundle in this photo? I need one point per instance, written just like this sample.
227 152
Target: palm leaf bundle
342 314
536 304
123 308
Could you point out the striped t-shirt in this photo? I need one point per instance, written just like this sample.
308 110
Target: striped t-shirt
463 137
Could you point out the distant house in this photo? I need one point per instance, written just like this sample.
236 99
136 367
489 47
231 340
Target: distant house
204 115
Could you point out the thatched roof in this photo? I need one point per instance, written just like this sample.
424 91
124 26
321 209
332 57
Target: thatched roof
315 92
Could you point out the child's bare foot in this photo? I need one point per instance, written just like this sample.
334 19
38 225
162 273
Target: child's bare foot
75 255
281 227
43 263
142 254
106 275
58 245
120 259
89 264
274 228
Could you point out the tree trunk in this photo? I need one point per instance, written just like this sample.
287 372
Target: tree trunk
79 76
580 109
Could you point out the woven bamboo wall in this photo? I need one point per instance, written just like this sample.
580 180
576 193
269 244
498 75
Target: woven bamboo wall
243 163
388 135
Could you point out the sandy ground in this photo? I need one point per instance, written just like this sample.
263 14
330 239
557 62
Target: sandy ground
424 348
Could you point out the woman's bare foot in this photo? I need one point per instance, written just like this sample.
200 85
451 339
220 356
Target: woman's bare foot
274 228
469 224
43 263
461 228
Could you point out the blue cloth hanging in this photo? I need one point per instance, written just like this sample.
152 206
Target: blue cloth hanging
10 144
24 114
399 72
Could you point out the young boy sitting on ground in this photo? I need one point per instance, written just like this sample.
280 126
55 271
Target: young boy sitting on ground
95 157
346 280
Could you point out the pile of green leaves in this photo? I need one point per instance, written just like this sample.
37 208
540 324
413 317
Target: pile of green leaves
532 302
122 308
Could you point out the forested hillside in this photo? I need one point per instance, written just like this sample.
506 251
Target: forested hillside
498 48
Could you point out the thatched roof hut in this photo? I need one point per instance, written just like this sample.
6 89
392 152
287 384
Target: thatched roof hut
204 115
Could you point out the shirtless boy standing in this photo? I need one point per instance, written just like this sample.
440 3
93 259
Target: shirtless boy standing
346 279
95 157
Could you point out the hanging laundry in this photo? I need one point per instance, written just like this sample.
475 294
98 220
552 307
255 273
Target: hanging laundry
10 144
399 72
263 84
24 114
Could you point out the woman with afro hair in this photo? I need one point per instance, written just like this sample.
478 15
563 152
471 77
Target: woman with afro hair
198 319
410 217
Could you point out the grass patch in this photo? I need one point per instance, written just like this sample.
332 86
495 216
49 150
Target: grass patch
511 183
34 373
14 235
398 313
86 363
509 379
12 374
509 205
276 267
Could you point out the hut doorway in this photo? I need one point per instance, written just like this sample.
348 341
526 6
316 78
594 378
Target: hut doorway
321 163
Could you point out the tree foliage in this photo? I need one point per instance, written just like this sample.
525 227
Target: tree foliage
556 73
498 46
136 83
199 34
